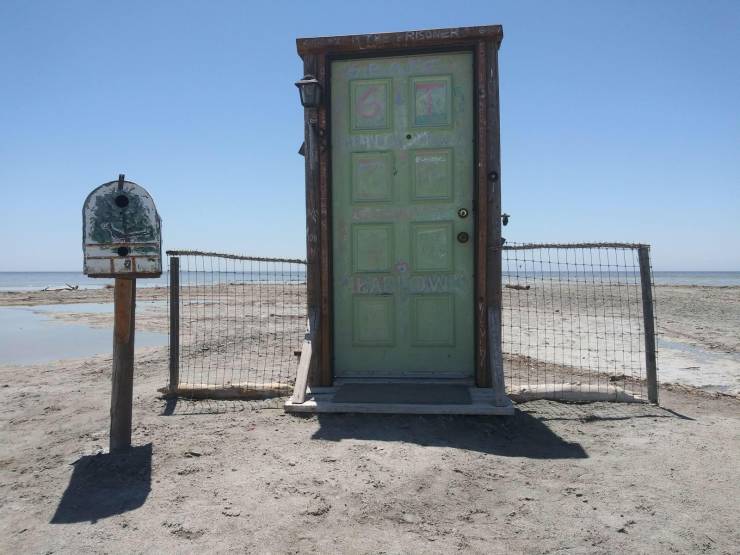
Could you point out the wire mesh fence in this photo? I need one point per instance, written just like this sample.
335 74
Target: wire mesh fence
575 324
236 323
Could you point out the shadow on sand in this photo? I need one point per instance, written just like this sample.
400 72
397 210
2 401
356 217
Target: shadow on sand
521 435
105 485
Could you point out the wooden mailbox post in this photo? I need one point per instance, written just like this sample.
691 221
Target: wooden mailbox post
403 216
122 239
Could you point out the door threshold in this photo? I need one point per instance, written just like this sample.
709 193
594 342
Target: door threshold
409 379
478 401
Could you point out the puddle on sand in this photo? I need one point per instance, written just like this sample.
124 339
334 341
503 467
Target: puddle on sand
91 308
30 335
686 364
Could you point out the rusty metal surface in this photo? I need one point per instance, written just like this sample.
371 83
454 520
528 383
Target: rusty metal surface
495 377
400 40
325 313
481 305
313 219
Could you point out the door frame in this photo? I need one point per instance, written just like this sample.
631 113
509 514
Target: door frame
317 54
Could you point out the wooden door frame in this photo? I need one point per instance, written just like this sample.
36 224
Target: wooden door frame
317 54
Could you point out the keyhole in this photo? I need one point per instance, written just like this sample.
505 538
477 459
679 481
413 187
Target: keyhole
408 136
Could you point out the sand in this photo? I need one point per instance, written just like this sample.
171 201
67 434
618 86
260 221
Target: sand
236 476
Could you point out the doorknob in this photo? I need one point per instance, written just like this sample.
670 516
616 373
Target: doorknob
463 237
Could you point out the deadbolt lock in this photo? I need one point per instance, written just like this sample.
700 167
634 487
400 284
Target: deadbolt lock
463 237
463 212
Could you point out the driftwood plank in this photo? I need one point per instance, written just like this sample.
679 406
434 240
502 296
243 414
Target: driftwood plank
304 366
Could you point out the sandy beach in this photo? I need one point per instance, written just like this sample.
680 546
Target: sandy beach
237 475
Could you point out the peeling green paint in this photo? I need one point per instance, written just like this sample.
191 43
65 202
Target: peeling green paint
112 224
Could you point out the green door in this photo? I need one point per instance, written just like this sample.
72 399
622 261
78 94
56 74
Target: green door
402 216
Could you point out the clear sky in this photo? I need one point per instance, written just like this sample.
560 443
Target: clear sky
620 120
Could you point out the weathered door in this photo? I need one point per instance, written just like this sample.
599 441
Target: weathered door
402 216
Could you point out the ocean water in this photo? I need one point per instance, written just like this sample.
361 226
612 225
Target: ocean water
36 281
716 279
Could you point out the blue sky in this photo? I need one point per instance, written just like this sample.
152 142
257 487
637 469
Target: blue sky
620 120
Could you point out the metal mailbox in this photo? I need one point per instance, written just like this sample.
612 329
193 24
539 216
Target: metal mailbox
121 232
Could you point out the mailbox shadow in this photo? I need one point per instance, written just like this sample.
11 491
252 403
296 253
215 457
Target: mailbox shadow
105 485
521 435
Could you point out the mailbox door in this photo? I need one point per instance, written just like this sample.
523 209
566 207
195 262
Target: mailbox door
402 216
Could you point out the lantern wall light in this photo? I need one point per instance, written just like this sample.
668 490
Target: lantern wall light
309 89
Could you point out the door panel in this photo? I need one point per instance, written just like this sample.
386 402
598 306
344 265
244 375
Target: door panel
402 166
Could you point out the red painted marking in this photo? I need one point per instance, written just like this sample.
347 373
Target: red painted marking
374 105
426 89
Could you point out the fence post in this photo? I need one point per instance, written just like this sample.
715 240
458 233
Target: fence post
174 324
124 302
648 323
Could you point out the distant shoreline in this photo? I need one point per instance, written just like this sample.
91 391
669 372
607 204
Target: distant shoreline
24 282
